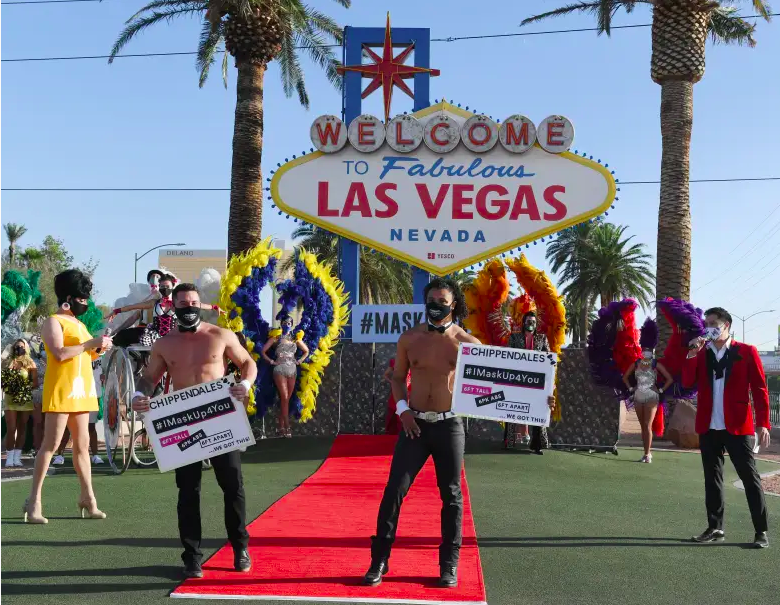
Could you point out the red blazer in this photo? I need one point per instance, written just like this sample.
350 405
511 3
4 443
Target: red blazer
745 376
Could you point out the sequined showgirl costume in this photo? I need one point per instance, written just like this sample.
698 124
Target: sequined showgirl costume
286 348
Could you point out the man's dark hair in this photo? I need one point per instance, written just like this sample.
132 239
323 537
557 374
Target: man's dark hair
459 311
72 283
167 277
721 314
185 288
529 314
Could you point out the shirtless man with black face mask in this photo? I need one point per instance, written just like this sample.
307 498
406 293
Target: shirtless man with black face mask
194 353
429 428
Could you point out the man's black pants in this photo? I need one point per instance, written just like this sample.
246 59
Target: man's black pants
445 441
227 470
712 445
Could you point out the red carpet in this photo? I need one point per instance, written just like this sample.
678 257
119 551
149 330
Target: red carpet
314 544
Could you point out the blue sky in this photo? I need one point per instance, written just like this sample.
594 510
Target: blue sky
143 122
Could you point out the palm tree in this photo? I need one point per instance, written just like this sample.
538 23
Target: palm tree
574 313
565 255
613 267
679 33
254 32
31 257
462 278
14 233
383 280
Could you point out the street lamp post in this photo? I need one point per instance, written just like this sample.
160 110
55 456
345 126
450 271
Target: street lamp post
137 258
744 319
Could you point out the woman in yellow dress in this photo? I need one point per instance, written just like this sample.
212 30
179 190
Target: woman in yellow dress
69 391
18 409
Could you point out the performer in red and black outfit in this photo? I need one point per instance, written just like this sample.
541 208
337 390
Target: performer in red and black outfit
727 373
529 338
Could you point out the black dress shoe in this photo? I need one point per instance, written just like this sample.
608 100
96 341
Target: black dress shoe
374 574
448 577
711 535
192 569
761 540
241 560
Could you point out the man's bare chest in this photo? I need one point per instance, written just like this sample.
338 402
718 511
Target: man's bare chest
193 353
433 352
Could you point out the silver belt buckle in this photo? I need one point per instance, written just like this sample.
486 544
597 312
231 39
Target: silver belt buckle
431 416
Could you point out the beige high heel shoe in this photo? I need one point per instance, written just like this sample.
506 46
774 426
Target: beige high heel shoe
30 518
87 512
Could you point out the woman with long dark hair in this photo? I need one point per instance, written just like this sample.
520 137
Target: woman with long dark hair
69 391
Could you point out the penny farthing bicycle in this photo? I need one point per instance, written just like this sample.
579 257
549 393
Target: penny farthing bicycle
126 439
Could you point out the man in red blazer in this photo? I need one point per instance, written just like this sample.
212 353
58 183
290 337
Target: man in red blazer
726 373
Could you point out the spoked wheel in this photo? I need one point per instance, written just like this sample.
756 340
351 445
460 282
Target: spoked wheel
143 454
117 395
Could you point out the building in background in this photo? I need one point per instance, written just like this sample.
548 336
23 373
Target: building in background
187 264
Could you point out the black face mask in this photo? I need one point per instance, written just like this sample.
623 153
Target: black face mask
77 308
165 290
19 351
437 311
188 318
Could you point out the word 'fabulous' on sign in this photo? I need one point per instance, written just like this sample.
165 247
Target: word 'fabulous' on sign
442 134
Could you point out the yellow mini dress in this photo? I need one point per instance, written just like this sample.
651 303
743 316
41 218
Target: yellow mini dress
69 386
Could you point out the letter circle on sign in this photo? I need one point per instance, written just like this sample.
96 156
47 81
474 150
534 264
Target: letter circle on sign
555 134
441 134
328 134
366 133
404 133
479 134
517 134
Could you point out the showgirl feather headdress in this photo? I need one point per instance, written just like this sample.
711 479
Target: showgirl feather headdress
246 277
648 335
613 345
488 293
325 313
687 323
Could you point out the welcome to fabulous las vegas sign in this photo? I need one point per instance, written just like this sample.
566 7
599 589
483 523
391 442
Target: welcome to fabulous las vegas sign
443 188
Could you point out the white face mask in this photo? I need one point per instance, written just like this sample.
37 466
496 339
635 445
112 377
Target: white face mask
713 332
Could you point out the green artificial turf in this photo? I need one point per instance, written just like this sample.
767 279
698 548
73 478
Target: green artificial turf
564 528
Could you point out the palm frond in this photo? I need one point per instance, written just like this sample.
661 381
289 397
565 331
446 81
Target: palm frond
155 4
291 71
728 28
210 36
579 7
137 25
763 9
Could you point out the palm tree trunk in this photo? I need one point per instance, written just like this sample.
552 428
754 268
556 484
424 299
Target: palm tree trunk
11 252
583 327
673 272
246 182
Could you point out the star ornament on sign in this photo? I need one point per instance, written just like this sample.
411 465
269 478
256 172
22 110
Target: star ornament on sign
388 71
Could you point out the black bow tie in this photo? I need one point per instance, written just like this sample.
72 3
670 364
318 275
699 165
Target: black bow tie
439 329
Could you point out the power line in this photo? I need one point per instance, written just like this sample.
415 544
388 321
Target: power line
760 224
447 39
772 230
734 180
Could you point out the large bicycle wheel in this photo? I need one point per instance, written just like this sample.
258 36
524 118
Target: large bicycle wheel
118 392
143 454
